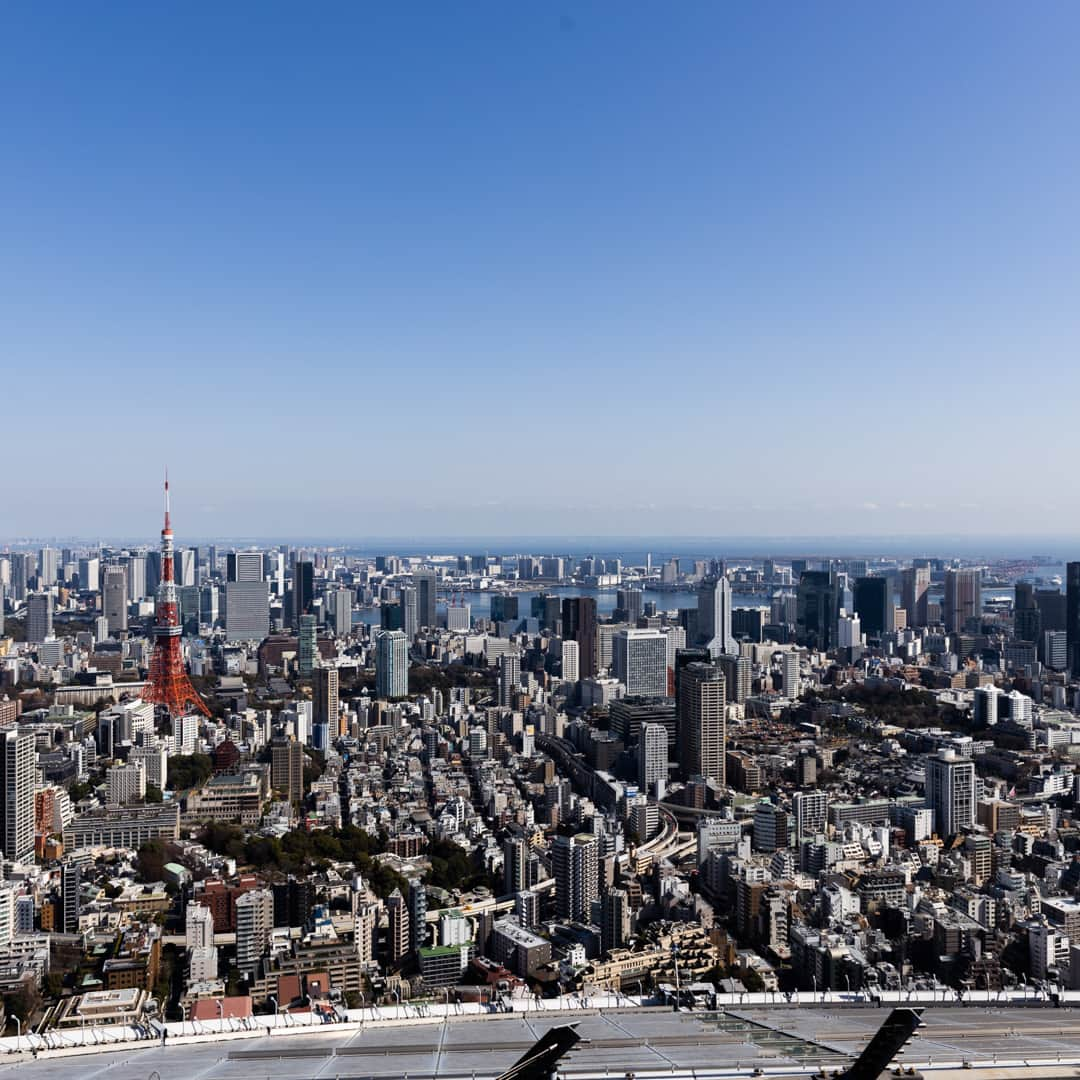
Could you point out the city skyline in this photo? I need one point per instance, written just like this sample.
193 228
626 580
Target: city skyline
576 272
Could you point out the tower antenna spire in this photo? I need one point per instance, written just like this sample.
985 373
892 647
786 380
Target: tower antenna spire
168 685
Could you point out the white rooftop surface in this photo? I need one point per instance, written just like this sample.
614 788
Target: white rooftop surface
783 1041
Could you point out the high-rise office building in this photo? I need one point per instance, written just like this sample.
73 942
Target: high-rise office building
426 583
950 792
771 829
639 662
341 605
303 590
409 619
39 617
790 674
509 678
391 664
136 571
185 567
515 865
653 759
48 567
17 761
244 566
571 661
504 608
307 646
247 597
874 605
629 603
575 864
89 575
714 616
963 598
1027 619
738 674
1055 649
247 610
114 597
325 703
914 589
1072 614
287 768
700 703
20 576
817 609
579 624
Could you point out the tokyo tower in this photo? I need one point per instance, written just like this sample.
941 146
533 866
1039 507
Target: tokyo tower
168 685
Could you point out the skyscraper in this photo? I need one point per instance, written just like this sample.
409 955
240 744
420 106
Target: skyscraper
914 587
114 597
20 576
409 618
873 603
136 570
515 864
790 676
391 664
307 646
509 677
700 704
17 761
579 624
653 759
287 768
640 662
39 617
48 567
737 677
950 792
714 616
1072 614
303 589
325 699
247 597
426 583
963 598
817 609
89 575
575 863
342 605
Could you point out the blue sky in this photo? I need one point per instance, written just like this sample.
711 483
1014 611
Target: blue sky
499 269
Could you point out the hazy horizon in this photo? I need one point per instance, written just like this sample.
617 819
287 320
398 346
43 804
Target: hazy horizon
940 546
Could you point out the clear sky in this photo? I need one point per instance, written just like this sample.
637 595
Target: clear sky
494 269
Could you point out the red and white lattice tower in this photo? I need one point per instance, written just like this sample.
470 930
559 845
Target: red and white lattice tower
168 685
